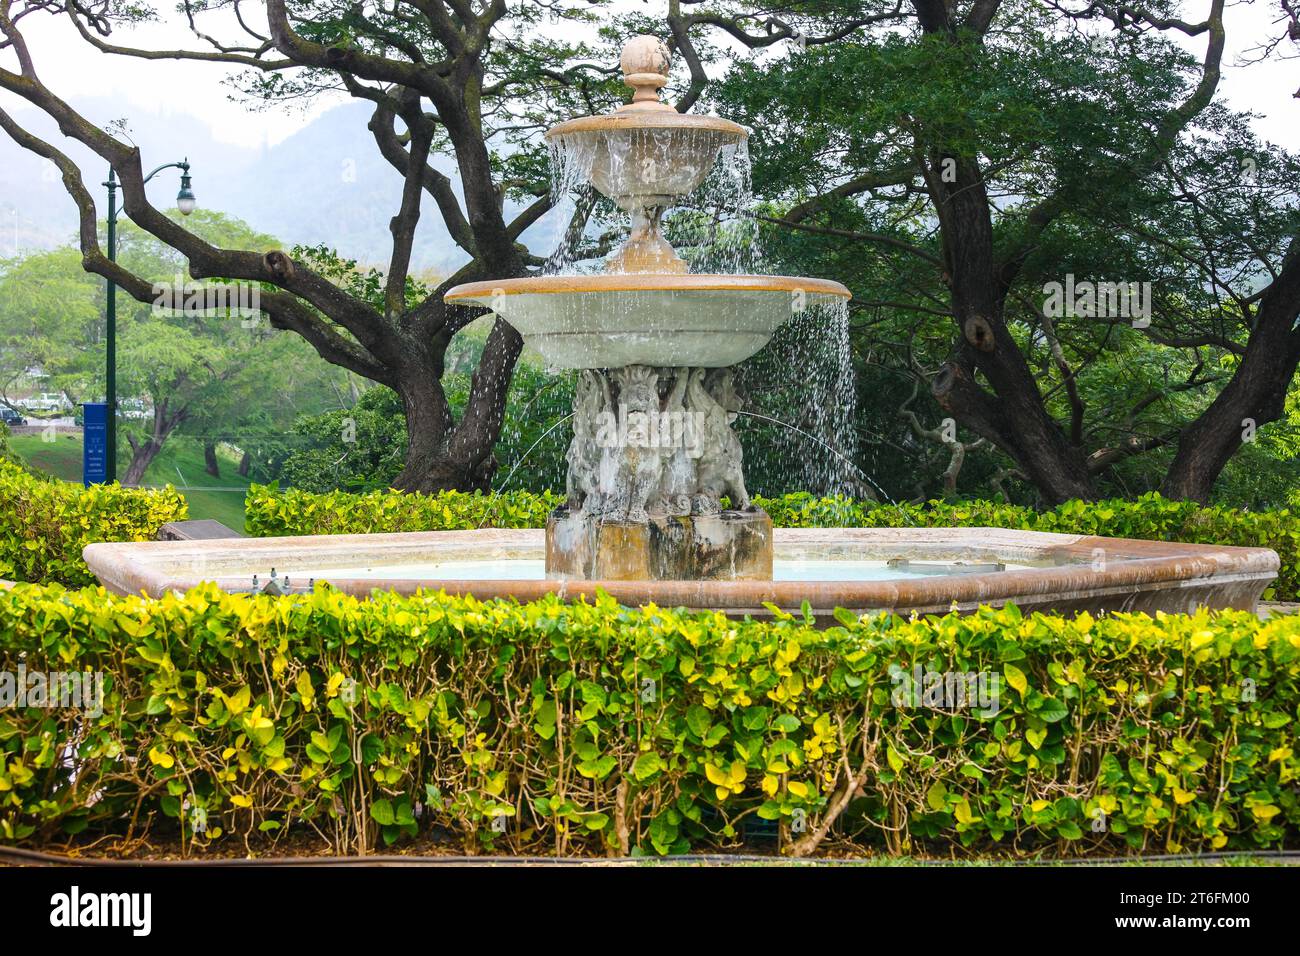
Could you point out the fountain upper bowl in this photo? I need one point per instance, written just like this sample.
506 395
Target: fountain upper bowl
613 320
649 119
646 157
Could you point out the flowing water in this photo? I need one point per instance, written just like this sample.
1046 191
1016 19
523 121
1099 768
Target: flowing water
875 491
800 434
714 229
803 379
711 227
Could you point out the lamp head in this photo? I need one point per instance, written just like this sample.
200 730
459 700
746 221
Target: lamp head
185 199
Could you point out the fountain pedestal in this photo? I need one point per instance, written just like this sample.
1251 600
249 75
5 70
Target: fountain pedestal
652 462
726 546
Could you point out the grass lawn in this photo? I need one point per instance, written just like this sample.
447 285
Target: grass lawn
180 464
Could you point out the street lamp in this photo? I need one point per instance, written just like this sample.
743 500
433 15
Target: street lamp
185 202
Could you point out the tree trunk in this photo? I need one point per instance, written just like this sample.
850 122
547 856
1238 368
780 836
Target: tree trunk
141 458
1254 396
210 463
1012 415
245 465
442 454
431 464
143 454
428 425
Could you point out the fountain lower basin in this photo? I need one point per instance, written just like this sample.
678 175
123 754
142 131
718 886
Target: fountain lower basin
534 569
1043 571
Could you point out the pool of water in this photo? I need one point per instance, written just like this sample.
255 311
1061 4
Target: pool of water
533 569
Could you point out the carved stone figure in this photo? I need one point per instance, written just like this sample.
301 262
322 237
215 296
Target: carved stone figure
680 439
712 397
630 466
591 398
655 442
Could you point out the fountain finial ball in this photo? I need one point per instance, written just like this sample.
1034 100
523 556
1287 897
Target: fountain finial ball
644 54
645 68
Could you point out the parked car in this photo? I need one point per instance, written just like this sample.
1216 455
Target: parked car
11 417
46 402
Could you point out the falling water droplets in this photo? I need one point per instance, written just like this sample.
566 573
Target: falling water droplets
804 380
714 229
799 433
707 216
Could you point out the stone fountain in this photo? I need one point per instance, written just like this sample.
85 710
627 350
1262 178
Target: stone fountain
657 509
656 485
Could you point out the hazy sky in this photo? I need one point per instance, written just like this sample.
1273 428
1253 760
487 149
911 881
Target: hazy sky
72 68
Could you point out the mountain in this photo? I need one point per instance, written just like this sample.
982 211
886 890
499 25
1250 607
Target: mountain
328 184
33 203
325 183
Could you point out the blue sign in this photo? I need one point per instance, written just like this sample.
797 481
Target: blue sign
94 446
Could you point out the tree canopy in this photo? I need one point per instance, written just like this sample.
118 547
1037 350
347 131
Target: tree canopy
965 167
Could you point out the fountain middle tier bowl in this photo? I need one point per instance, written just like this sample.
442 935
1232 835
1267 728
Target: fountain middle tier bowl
612 320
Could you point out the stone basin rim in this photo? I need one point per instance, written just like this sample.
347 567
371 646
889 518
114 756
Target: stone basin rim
1136 575
646 282
650 120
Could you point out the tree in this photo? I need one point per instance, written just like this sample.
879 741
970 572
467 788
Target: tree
977 150
1004 146
470 80
51 319
361 447
201 361
208 372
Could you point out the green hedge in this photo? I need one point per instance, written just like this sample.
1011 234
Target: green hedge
45 523
271 511
553 728
6 451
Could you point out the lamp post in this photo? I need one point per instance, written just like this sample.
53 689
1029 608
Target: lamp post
185 202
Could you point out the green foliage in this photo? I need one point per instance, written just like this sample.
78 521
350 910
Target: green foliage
359 448
590 728
271 511
214 371
363 448
51 319
1060 124
219 375
44 524
6 449
365 283
534 433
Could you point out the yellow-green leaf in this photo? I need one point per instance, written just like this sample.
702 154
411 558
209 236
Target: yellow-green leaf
1015 677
